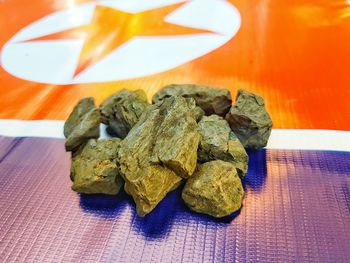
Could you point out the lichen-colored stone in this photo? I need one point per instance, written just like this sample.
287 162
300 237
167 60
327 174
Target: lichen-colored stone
94 169
214 189
84 106
211 100
160 148
87 128
122 110
177 136
249 120
218 142
149 185
182 135
198 113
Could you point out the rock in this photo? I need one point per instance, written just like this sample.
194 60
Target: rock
249 120
160 148
87 128
84 106
136 149
177 136
211 100
198 113
214 189
218 142
94 169
122 110
149 185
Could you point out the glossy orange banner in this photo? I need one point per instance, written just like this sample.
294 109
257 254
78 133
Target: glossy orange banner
296 54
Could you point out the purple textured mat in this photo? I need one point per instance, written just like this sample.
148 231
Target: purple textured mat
296 208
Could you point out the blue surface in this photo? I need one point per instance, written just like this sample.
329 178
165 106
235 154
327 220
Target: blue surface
296 209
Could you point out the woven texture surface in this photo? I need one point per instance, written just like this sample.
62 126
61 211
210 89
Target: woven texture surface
296 208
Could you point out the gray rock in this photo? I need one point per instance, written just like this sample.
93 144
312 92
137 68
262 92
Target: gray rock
249 120
218 142
211 100
87 128
94 169
214 189
122 110
84 106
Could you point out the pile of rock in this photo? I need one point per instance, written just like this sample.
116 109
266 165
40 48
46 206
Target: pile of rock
190 133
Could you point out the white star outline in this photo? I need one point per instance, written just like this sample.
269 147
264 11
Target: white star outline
54 62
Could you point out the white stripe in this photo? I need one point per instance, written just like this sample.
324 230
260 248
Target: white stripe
19 128
309 139
44 128
280 138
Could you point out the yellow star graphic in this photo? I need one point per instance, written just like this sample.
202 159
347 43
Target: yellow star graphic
110 28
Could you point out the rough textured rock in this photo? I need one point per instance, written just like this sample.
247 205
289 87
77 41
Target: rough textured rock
94 169
122 110
218 142
214 189
249 120
87 128
211 100
149 185
177 136
159 149
84 106
198 113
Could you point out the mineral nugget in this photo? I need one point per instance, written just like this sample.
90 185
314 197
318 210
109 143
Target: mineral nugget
214 189
149 185
94 169
249 120
147 182
84 106
122 110
218 142
177 136
86 128
160 148
211 100
198 113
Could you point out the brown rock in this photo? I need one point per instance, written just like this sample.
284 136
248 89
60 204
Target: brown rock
149 185
87 128
249 120
84 106
198 113
159 148
218 142
122 110
214 189
211 100
94 169
177 136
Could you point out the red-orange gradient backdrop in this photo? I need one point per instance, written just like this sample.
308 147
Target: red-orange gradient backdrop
294 53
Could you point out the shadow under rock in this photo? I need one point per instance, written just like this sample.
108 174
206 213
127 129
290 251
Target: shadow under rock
154 225
159 222
257 170
107 206
172 210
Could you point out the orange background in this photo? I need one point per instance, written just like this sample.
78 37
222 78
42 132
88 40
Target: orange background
296 54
